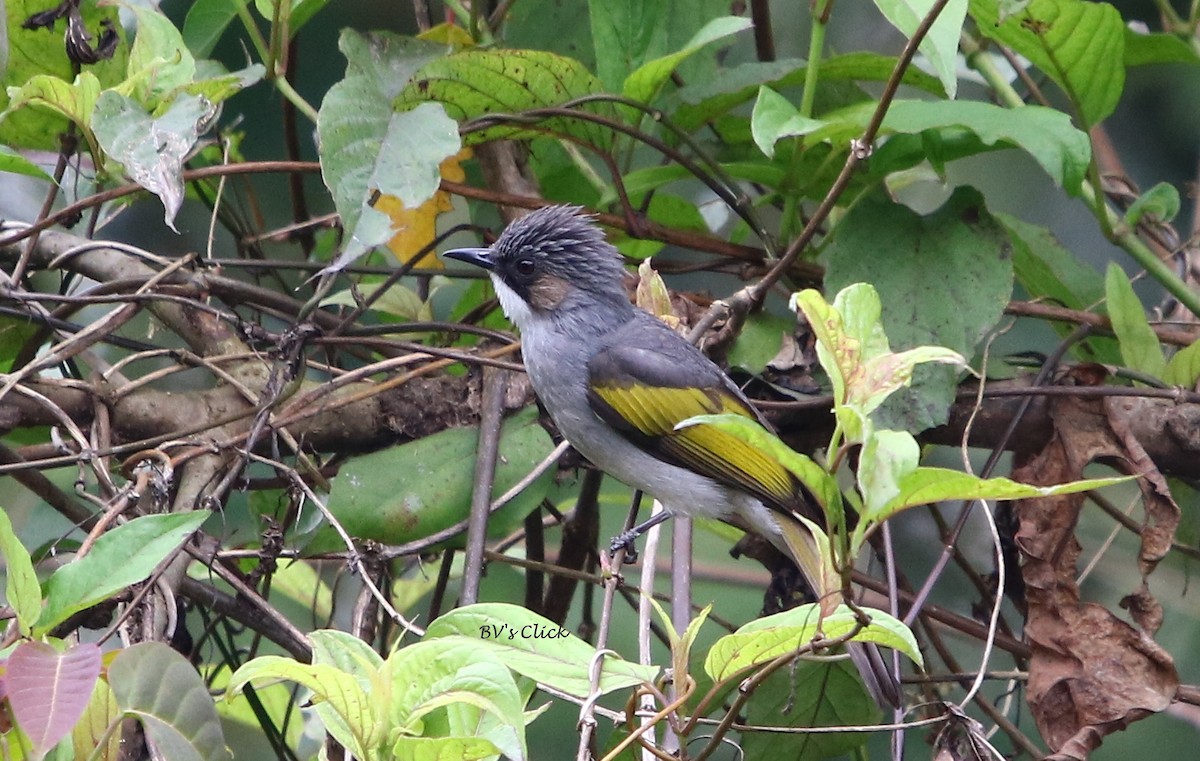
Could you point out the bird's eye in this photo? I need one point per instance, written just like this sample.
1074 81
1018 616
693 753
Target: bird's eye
525 266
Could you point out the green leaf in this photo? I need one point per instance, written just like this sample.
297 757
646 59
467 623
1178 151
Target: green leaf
74 100
1049 272
705 100
928 485
366 145
450 687
21 588
160 688
205 22
357 725
15 163
1044 133
1078 44
647 80
809 694
346 653
477 82
1046 270
1184 367
15 332
888 457
767 638
409 492
159 61
216 85
627 34
1140 348
1160 203
152 150
940 45
123 556
1146 49
537 648
913 261
774 118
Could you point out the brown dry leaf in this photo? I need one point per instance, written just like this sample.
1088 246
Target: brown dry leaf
1091 673
416 228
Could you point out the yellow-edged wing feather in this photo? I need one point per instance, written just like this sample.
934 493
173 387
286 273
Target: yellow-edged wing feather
648 414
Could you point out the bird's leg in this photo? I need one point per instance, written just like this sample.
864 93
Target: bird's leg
626 540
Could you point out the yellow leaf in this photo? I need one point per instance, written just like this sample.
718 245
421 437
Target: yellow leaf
416 228
449 34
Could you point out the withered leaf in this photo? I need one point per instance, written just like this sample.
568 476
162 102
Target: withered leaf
1091 673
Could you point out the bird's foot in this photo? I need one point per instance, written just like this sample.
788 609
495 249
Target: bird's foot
626 541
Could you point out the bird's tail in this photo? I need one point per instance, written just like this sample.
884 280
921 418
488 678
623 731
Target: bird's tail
806 549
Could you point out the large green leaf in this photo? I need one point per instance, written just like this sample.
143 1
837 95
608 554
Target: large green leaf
450 687
810 694
160 688
1147 49
704 100
408 492
928 485
1048 271
627 34
205 22
367 145
1078 43
351 716
940 44
647 80
767 638
477 82
915 263
123 556
1044 133
537 648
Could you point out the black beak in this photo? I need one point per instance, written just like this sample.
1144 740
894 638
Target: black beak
480 257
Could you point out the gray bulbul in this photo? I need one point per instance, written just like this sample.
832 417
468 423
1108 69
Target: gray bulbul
616 380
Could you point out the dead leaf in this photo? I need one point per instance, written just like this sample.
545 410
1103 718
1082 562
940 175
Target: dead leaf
416 228
1090 673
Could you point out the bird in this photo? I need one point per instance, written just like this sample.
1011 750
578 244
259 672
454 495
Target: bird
617 381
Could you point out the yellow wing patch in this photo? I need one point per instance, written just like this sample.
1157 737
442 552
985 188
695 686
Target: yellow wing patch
654 411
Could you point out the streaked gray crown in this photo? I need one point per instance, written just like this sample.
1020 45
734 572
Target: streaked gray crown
563 242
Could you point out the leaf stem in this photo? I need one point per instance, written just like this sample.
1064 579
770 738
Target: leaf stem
816 46
285 88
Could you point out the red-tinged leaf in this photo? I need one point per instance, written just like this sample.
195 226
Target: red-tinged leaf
49 690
